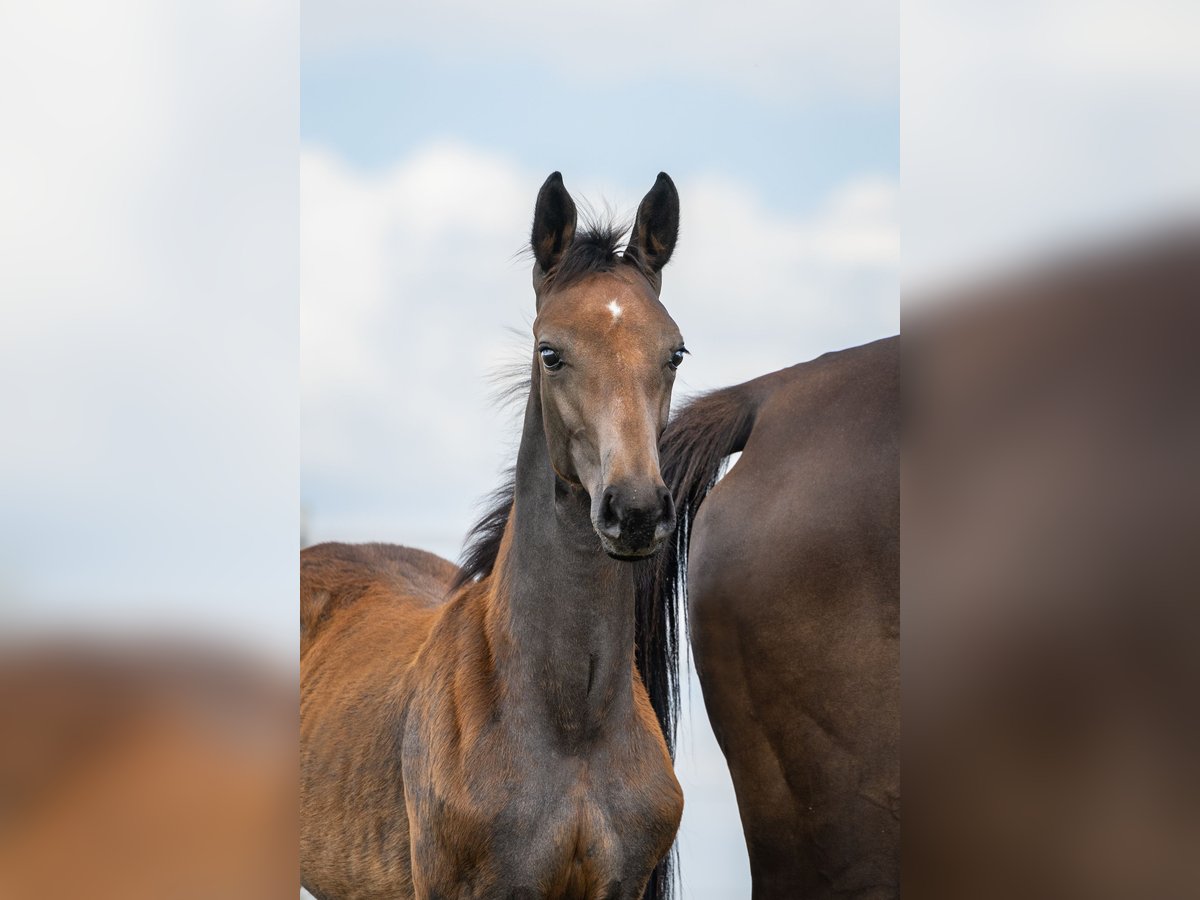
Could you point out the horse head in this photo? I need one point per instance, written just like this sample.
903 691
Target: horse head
606 352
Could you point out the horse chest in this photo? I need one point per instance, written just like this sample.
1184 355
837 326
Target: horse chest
562 837
564 826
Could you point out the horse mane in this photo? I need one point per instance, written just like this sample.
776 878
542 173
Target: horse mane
692 454
599 246
482 545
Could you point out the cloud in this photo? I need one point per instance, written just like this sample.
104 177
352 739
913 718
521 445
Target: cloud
1032 125
772 49
757 291
407 282
410 287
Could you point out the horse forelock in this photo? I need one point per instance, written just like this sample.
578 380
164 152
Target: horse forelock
599 246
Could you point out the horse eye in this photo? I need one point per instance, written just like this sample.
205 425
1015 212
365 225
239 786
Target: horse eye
550 358
677 358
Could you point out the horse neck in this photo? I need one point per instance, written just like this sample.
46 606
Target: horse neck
562 611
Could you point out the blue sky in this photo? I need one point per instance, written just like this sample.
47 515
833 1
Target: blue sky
379 106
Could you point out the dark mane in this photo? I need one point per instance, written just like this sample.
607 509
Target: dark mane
598 247
482 545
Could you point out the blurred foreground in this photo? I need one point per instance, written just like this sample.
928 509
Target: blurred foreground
145 772
1051 581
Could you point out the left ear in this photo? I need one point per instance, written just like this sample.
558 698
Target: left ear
657 226
554 220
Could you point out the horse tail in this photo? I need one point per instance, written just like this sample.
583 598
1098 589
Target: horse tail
692 452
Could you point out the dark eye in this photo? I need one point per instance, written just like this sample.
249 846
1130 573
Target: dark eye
550 358
677 358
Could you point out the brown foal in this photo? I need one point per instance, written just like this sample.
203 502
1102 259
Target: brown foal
485 732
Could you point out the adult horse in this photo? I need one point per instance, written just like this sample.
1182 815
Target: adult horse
484 732
792 582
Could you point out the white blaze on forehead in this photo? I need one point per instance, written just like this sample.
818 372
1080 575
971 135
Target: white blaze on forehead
615 308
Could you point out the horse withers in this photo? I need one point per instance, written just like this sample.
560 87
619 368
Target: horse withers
484 731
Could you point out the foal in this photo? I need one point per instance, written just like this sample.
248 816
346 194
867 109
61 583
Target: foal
501 742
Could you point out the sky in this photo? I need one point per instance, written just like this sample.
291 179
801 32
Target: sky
424 138
1030 129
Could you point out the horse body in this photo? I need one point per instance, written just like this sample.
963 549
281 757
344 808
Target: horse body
486 733
793 596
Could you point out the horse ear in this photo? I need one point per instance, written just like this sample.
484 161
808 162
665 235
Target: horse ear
657 226
553 222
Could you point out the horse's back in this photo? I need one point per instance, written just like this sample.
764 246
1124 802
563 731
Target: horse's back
793 586
366 610
335 577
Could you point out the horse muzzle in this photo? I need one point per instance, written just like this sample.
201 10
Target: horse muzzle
632 522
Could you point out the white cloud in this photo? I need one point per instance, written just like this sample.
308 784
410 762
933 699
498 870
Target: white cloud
407 280
774 48
759 290
409 283
1033 125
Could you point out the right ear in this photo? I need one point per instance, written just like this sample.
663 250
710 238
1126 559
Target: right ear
553 223
656 227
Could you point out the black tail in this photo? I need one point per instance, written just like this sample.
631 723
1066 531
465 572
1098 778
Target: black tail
691 453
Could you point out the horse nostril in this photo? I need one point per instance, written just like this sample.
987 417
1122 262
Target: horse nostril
610 516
